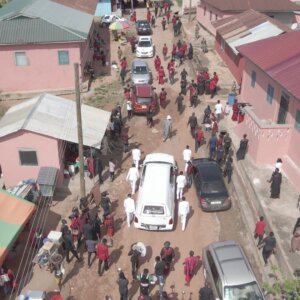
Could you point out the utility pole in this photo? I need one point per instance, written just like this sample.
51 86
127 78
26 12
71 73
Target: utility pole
190 11
79 131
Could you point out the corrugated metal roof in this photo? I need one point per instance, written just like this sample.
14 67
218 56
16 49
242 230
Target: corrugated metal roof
28 31
56 117
259 5
88 6
71 21
279 57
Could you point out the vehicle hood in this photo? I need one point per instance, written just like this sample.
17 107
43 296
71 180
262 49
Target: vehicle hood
144 49
140 77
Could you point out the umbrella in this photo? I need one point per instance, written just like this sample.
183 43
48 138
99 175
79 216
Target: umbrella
119 25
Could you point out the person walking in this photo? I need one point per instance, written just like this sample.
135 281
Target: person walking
165 51
132 176
190 266
68 244
123 69
275 181
159 268
220 154
91 248
144 282
120 53
134 259
161 75
105 203
187 155
206 293
129 207
183 86
241 153
167 128
212 144
219 110
269 246
111 168
167 255
228 169
129 109
183 211
103 256
136 156
149 117
123 286
163 23
181 182
295 242
163 98
179 101
259 231
193 123
199 136
227 143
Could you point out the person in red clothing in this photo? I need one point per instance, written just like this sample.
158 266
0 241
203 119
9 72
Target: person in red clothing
215 77
174 50
205 75
168 16
235 111
162 98
165 51
171 64
212 88
199 135
161 75
165 6
103 256
259 230
148 16
172 74
108 222
190 266
157 63
193 91
127 94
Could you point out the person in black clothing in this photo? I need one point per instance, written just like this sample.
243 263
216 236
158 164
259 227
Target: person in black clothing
228 169
105 203
190 52
183 85
179 101
227 143
207 112
134 259
144 282
275 181
193 123
99 169
241 153
159 269
149 116
123 286
183 74
206 292
269 247
69 246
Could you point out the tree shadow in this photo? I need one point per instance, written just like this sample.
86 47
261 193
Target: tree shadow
115 255
133 289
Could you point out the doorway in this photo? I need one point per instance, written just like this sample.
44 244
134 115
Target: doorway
283 109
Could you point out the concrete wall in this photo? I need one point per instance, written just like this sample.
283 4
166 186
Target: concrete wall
45 147
43 71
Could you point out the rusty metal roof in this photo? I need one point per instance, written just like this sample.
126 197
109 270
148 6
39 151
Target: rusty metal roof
279 57
88 6
259 5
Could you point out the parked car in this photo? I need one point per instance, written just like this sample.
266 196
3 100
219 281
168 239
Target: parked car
140 72
210 187
226 268
156 199
144 47
143 27
106 20
143 97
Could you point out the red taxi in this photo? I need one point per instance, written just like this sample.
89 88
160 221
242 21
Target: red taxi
143 97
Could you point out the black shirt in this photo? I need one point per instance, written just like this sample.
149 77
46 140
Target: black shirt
206 293
159 268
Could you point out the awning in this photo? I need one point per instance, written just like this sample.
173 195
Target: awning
14 214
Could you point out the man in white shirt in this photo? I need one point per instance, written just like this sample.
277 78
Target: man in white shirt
136 156
132 176
187 155
180 181
183 211
129 207
219 110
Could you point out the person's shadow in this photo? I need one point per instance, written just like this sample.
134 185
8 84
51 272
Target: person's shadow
115 255
177 257
133 289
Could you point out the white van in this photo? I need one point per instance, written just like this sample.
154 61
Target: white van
156 198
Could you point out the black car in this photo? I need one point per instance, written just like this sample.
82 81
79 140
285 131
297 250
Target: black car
210 187
143 27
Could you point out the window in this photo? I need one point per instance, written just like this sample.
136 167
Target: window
204 11
21 59
210 15
63 57
214 273
270 93
297 121
28 158
222 43
253 78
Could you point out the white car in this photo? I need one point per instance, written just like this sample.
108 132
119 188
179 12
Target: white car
145 47
156 199
106 20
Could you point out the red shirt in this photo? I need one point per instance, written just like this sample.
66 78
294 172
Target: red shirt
260 227
123 64
163 95
102 251
199 135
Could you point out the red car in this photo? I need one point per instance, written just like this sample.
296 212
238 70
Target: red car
143 97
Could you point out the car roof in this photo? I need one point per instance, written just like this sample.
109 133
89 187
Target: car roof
139 63
233 263
160 157
144 90
142 21
209 169
145 38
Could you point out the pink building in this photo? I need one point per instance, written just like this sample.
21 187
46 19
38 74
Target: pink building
271 86
38 133
40 42
241 29
212 10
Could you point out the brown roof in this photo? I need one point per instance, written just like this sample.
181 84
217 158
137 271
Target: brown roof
245 20
259 5
88 6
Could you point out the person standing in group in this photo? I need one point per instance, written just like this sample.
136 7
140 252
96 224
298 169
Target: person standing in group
163 98
193 123
190 266
129 109
134 259
136 156
167 255
212 144
269 246
181 182
174 50
109 224
68 244
123 286
111 167
241 153
193 94
129 207
157 63
227 143
219 110
259 231
163 23
161 75
133 176
167 128
165 51
199 136
295 242
159 269
187 155
183 211
144 282
103 256
206 292
179 101
228 169
91 248
149 117
275 181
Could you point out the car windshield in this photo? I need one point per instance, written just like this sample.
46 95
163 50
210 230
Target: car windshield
153 210
140 70
213 187
249 291
143 100
144 44
144 25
